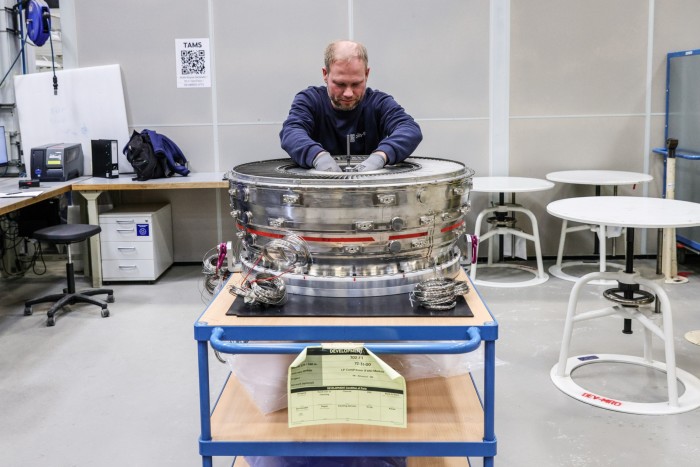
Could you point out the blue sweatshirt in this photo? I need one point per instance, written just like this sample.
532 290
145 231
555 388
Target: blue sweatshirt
378 123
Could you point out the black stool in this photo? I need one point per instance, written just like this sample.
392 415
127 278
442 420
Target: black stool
67 234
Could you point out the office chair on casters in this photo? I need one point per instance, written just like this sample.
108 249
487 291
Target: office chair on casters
66 234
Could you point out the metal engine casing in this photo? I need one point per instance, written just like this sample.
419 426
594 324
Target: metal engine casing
368 233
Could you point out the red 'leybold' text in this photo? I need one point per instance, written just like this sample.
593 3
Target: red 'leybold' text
604 400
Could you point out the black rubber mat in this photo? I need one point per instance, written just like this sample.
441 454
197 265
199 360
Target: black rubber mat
387 305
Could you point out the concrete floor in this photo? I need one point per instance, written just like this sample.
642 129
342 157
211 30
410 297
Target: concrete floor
122 391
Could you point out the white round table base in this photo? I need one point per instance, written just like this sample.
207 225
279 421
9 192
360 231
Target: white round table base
557 271
689 400
497 231
538 279
693 336
676 280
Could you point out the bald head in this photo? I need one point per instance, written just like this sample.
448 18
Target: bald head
345 51
345 74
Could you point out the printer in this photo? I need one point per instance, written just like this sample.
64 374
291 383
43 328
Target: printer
57 162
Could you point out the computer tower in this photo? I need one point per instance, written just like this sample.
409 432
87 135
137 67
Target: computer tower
105 154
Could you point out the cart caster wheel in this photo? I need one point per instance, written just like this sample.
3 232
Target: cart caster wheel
50 321
27 311
105 313
110 299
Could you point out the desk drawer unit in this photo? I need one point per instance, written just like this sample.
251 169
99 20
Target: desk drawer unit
136 242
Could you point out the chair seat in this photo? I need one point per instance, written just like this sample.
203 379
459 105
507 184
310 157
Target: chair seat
67 233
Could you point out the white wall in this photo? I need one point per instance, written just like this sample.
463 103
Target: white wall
581 82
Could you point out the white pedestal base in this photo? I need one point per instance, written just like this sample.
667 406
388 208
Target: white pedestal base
538 279
561 372
495 232
688 401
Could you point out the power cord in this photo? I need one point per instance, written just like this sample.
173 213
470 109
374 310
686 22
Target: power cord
53 63
45 22
14 62
9 235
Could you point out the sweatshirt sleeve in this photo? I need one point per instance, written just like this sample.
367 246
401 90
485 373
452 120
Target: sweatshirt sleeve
402 135
297 129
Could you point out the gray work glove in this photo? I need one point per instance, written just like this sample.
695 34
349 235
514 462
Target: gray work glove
325 163
373 162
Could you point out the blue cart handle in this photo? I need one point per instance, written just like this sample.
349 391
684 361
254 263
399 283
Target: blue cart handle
431 347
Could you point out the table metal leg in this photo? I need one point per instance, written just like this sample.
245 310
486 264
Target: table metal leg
540 275
95 253
600 231
204 404
562 242
572 317
501 257
536 240
557 269
489 389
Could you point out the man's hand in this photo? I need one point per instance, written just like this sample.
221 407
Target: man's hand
375 161
325 163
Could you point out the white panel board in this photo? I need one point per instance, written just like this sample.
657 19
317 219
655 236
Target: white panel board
89 105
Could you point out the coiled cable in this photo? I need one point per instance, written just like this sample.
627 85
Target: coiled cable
215 274
269 289
288 252
438 294
265 289
209 269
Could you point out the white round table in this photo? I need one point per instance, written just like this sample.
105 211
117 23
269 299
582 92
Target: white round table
598 178
631 213
503 224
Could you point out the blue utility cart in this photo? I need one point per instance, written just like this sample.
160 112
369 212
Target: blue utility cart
449 419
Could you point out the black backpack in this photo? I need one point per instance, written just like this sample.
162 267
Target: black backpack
153 155
140 154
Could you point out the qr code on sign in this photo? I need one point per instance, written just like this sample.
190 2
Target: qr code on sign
192 62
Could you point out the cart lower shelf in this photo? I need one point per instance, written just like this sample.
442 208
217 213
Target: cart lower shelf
445 416
410 462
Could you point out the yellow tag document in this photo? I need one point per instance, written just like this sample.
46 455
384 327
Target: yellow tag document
344 383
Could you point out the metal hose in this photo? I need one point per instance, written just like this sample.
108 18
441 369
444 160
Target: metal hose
438 294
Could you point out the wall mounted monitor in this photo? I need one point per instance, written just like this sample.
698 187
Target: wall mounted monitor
4 155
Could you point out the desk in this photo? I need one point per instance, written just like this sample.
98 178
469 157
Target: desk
92 188
598 178
628 212
49 189
503 224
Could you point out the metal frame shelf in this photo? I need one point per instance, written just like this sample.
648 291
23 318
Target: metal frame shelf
447 417
681 123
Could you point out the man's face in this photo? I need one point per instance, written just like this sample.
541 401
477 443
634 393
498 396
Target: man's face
346 81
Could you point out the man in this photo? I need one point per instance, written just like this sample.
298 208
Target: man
323 120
